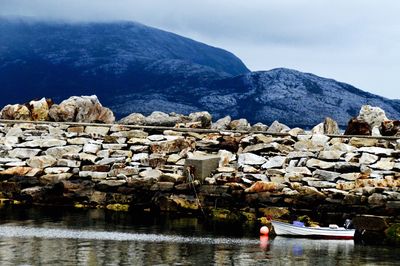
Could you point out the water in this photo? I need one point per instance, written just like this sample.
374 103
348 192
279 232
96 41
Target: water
95 237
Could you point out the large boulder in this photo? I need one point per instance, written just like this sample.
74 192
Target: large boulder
277 127
85 109
222 124
204 118
133 119
15 112
374 116
331 127
328 127
40 109
358 127
390 128
161 119
240 124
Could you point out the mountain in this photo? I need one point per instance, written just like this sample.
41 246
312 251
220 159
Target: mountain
61 59
290 96
135 68
295 97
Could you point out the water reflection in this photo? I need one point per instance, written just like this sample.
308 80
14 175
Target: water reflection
43 237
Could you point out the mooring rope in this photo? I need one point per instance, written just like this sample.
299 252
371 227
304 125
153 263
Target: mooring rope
191 181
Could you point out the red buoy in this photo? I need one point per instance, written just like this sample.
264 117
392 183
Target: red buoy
264 230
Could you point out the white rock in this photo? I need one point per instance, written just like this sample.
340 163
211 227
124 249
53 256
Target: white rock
79 141
318 129
226 157
91 148
384 164
330 155
367 158
151 173
374 116
376 150
56 170
350 176
274 162
315 163
319 139
140 157
156 137
96 175
250 159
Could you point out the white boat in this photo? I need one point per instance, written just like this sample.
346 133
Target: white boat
285 229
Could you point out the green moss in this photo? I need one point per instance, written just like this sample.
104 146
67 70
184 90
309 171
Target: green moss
393 234
225 215
249 217
118 207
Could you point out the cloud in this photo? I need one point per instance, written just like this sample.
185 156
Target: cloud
353 41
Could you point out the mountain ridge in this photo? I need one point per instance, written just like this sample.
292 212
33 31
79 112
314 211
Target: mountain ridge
136 68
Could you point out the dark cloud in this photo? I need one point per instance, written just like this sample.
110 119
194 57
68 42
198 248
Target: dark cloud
353 41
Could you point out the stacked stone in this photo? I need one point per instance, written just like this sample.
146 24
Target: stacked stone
119 168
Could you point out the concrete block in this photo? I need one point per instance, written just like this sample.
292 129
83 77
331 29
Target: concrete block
201 166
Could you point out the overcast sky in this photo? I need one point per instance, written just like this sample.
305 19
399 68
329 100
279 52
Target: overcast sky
354 41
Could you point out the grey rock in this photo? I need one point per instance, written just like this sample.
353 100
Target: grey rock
161 119
277 127
222 124
325 175
106 161
274 162
315 163
96 130
259 127
321 184
23 153
204 118
133 119
240 124
42 161
331 127
58 152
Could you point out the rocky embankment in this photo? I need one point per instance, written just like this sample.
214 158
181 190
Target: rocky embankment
231 175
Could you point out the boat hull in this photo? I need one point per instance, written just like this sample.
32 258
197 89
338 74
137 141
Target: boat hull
284 229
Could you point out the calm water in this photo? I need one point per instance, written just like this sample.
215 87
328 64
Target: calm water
95 237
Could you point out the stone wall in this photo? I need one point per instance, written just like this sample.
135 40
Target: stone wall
130 167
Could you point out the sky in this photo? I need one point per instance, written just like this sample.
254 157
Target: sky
353 41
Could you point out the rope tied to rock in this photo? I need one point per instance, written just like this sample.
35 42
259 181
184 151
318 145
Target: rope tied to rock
191 180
